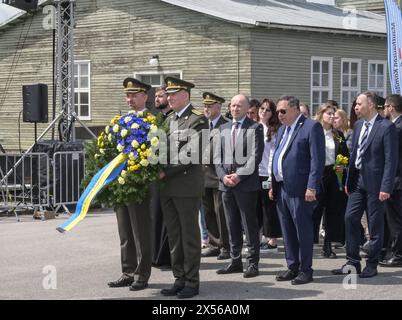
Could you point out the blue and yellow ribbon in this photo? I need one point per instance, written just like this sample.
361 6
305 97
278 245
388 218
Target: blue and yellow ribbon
106 175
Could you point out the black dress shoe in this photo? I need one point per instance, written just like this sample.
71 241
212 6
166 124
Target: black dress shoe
368 272
302 278
286 276
138 285
392 262
211 252
329 255
252 271
224 255
233 267
187 292
346 269
124 281
172 291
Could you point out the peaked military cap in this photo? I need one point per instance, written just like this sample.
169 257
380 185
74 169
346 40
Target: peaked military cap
132 85
210 98
175 84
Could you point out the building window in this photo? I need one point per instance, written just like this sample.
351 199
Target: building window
321 81
156 79
82 93
377 80
350 82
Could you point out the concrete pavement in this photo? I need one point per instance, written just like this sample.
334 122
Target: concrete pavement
37 262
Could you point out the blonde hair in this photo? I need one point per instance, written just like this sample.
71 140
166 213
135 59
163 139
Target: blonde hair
345 123
322 109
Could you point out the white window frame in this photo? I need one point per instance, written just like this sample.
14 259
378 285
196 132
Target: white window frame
162 74
320 88
383 62
359 79
86 90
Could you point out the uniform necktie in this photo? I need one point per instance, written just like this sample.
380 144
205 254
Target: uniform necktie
234 133
279 151
362 144
211 125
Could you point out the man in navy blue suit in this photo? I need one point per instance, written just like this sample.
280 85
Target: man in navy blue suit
369 182
298 165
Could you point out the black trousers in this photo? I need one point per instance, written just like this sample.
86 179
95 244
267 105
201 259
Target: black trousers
331 206
267 214
215 218
240 212
393 213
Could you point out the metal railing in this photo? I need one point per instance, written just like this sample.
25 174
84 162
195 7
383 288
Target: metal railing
33 180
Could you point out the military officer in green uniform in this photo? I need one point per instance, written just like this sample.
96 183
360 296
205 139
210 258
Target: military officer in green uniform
134 220
182 187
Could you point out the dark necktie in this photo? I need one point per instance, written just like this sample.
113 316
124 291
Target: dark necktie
234 133
279 150
362 144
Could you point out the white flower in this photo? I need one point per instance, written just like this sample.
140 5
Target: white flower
110 137
116 128
144 162
127 119
102 151
107 128
120 147
121 180
153 128
135 126
140 113
131 155
135 144
154 141
123 173
123 132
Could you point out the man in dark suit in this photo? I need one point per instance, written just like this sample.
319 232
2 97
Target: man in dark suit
161 252
134 220
393 206
242 143
369 182
298 165
212 199
182 187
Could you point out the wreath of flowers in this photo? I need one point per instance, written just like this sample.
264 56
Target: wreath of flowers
130 134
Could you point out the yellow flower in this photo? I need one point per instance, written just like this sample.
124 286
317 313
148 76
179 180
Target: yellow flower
116 128
97 156
151 118
154 141
124 132
135 126
102 151
120 147
143 146
121 180
110 137
115 119
144 162
123 173
107 128
134 144
131 155
141 114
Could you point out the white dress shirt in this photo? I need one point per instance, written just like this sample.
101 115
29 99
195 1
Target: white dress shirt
329 147
372 120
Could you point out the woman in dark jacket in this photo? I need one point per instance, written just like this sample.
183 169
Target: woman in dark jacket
331 199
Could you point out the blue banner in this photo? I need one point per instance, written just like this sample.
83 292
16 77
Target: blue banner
394 35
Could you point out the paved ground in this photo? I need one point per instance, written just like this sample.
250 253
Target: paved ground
86 258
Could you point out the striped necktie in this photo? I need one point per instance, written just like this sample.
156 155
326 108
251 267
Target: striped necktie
362 144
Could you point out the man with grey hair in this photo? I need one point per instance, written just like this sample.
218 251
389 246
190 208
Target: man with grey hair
300 149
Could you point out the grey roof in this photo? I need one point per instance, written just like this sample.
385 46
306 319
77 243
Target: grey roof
297 14
8 13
